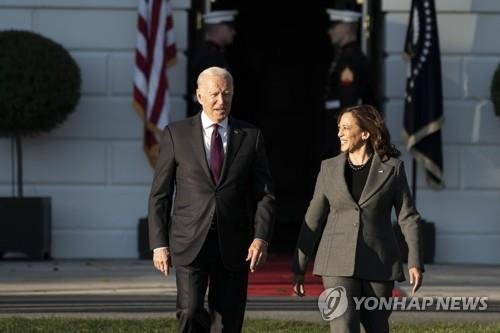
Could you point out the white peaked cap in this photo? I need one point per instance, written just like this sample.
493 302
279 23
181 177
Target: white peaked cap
347 16
219 16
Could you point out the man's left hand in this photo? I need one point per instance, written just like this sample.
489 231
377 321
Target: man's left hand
257 254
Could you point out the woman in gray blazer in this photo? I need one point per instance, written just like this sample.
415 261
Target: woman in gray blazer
350 216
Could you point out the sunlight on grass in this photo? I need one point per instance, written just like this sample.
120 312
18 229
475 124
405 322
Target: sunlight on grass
69 325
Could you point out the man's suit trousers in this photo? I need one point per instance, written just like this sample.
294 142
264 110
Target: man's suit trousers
226 297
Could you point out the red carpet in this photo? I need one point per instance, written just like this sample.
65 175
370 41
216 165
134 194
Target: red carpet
275 278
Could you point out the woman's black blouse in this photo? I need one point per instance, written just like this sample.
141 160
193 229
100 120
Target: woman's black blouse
356 179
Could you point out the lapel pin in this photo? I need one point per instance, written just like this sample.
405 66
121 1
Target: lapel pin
236 131
381 171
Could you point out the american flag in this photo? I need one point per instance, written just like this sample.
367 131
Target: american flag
155 52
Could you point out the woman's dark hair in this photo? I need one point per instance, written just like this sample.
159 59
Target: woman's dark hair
370 120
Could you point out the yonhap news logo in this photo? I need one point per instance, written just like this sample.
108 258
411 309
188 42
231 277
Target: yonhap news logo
333 303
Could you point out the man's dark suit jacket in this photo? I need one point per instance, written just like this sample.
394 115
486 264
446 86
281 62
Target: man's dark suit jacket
242 201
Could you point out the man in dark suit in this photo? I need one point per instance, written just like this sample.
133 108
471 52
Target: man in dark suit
223 208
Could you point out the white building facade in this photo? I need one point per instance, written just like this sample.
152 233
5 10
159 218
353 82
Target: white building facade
467 211
94 169
93 166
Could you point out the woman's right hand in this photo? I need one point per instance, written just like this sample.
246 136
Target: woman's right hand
298 285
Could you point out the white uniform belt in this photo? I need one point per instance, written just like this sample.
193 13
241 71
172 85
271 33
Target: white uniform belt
332 104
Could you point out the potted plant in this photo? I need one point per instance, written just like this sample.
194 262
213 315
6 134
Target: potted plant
39 87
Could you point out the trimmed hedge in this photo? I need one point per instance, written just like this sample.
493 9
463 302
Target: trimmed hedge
39 83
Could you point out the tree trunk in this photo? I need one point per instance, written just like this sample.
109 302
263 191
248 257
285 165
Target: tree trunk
19 155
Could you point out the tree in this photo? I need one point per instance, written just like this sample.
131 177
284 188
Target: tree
39 87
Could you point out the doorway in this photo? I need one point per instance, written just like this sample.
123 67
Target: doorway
280 61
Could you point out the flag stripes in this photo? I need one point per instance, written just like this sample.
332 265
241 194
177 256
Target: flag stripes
155 52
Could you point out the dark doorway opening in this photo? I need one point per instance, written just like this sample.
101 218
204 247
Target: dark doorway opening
280 61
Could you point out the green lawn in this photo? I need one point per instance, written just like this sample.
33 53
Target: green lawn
67 325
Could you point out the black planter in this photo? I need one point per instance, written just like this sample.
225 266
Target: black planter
428 244
25 226
143 241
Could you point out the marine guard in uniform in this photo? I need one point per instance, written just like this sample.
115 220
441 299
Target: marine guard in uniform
349 81
219 33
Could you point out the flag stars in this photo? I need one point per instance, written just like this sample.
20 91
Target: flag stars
425 39
428 110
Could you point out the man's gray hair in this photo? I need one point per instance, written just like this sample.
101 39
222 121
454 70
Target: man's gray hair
214 71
